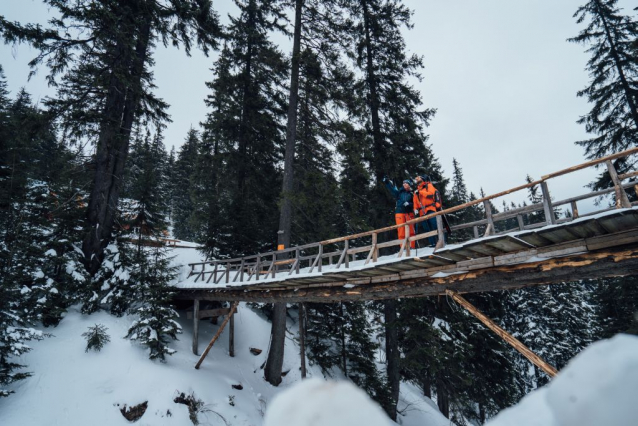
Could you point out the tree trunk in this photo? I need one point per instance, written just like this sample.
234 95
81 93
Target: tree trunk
113 143
302 338
272 371
392 356
442 397
285 219
278 333
344 354
426 384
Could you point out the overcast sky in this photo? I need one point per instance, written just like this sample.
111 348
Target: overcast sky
500 73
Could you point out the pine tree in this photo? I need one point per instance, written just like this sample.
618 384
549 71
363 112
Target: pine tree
613 67
184 224
248 106
104 83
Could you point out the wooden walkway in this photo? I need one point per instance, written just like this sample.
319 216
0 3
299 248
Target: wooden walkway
600 244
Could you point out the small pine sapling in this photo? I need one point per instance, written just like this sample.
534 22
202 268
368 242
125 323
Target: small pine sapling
96 337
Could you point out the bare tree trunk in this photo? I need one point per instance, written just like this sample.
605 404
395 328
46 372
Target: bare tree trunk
426 384
272 371
302 338
276 359
113 143
392 356
442 397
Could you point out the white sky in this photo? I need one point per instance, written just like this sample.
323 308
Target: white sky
500 73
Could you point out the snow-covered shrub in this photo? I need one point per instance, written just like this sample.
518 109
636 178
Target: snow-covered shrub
96 337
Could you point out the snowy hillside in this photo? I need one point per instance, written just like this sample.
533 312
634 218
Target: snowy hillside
70 387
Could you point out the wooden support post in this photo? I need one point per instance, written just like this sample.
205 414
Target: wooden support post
195 325
622 202
521 224
231 334
302 338
216 336
439 227
407 240
298 255
258 268
574 210
489 230
524 350
636 189
345 251
548 207
476 232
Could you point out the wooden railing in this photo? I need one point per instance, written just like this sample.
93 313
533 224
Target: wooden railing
315 256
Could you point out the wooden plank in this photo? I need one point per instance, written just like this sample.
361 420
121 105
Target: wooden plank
590 163
507 244
622 221
431 260
563 249
586 229
483 248
557 235
216 336
612 240
622 201
534 239
516 344
480 263
451 254
514 258
208 313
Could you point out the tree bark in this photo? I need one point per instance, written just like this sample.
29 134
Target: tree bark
113 143
302 338
278 333
272 371
442 397
426 383
392 356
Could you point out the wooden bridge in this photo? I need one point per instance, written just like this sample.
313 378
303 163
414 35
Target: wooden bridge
599 244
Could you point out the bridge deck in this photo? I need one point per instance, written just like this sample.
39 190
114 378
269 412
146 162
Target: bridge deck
581 249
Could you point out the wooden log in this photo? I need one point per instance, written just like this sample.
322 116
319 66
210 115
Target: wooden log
209 313
195 326
521 224
547 204
622 202
441 233
231 335
302 338
513 341
476 232
628 175
216 336
490 220
574 210
590 163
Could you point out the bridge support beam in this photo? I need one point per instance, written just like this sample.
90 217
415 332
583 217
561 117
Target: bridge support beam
195 325
516 344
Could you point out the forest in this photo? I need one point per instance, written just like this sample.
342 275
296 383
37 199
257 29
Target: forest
294 149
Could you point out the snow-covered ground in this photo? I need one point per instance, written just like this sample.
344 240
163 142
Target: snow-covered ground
70 387
599 387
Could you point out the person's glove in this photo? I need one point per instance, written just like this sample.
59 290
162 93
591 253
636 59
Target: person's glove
416 212
385 179
406 204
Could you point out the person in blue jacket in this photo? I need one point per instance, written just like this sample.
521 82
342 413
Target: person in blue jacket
404 210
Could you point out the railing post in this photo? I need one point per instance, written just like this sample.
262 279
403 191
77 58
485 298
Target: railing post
622 202
548 207
227 272
490 220
346 260
195 325
407 240
574 210
521 224
476 232
297 254
258 267
375 249
274 265
439 228
213 275
320 254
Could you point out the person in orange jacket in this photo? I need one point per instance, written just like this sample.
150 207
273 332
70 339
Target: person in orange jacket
404 206
427 200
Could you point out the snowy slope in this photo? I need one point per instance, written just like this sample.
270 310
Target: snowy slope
70 387
597 388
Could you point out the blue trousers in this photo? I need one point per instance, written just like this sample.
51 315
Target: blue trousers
430 225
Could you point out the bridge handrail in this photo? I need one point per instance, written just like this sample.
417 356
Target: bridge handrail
547 205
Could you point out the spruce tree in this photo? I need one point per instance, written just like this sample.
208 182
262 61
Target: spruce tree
99 56
610 37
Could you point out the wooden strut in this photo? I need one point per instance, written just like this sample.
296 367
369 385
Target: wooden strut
219 332
517 344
